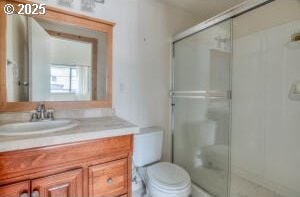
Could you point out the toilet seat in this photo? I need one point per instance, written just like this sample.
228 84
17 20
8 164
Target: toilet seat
168 178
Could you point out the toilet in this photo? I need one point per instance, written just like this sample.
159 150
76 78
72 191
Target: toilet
161 179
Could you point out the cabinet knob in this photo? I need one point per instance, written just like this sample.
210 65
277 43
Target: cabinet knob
24 194
35 193
109 181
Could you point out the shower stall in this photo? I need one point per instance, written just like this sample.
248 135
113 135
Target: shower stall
201 112
235 125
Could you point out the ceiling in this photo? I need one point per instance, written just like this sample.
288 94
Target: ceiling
204 9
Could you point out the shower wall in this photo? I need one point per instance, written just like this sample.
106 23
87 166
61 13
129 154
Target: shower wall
265 122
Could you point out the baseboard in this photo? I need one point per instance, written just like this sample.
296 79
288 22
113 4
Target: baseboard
277 188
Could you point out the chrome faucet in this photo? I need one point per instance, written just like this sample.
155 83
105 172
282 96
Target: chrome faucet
41 114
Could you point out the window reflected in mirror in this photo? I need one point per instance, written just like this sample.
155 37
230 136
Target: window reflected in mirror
51 61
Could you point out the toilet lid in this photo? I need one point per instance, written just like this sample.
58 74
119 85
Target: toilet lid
168 176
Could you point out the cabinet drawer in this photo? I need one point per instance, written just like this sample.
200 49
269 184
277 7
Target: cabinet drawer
109 179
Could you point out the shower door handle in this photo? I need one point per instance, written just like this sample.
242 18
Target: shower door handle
215 95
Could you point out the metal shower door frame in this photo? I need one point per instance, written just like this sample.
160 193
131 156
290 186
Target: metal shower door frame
215 95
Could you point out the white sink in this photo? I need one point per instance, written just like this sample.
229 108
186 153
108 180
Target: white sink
31 128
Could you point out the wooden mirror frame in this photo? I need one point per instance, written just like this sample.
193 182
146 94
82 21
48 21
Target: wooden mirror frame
70 18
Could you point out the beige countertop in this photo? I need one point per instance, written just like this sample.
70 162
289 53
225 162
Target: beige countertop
87 129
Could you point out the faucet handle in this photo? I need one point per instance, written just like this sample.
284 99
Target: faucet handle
50 114
34 116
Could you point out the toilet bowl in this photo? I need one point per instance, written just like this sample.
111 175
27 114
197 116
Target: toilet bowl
162 179
168 180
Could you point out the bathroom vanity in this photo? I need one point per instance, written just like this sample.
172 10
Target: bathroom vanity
92 159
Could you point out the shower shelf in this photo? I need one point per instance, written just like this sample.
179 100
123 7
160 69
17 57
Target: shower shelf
294 45
295 91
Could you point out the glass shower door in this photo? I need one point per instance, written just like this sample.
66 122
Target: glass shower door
201 107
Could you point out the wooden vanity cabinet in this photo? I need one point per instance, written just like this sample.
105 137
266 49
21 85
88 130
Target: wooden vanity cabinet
97 168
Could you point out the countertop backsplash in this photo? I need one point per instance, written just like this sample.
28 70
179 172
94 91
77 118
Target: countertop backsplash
10 117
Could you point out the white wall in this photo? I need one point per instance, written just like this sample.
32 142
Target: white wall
265 129
70 52
17 54
142 38
39 88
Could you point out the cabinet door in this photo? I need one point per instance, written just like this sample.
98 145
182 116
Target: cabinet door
109 179
67 184
15 190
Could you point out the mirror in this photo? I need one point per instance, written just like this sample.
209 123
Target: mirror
53 61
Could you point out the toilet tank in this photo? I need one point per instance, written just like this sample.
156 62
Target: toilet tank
147 147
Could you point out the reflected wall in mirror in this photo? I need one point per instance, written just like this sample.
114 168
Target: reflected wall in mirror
52 61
